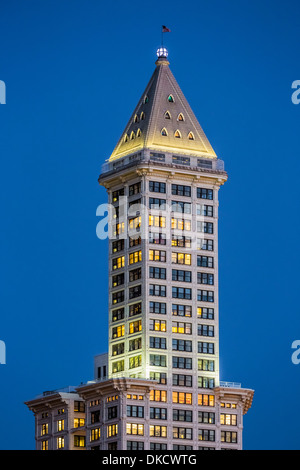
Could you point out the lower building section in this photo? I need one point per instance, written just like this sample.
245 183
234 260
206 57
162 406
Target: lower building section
138 414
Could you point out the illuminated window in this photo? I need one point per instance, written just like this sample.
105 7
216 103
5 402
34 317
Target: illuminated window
164 132
157 221
135 223
136 119
181 258
180 117
45 445
135 361
79 441
177 134
135 257
157 255
139 133
182 327
135 327
95 434
191 136
44 429
171 99
118 331
181 224
182 398
118 263
112 430
118 349
117 366
126 138
158 395
206 400
60 442
228 419
229 436
182 433
132 135
135 429
158 325
60 425
167 115
142 116
158 431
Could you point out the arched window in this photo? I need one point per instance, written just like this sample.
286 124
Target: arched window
164 132
146 99
167 115
180 117
139 133
142 116
177 134
171 99
191 136
132 135
136 119
125 138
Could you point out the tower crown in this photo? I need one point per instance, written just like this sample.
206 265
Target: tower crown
163 119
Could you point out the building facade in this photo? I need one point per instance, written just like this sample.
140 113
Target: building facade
159 385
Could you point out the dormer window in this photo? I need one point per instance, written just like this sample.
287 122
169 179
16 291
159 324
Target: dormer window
136 119
191 136
146 99
139 133
177 134
171 99
125 138
132 135
142 116
164 132
167 115
180 117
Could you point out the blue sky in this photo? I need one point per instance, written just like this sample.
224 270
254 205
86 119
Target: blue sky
74 72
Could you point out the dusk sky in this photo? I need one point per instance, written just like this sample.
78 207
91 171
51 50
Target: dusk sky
74 72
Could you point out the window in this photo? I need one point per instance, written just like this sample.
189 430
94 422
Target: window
146 99
132 135
181 258
79 406
182 327
160 377
180 117
181 241
118 349
118 263
182 310
181 345
157 255
157 204
171 99
205 278
181 276
182 362
135 327
167 115
134 224
206 364
181 224
205 313
118 331
158 431
134 411
135 291
95 434
118 245
157 307
60 442
134 241
181 190
206 400
178 160
206 417
60 425
95 416
205 261
206 435
157 290
158 413
205 227
191 136
135 274
157 187
207 245
228 419
157 446
118 297
135 361
134 445
135 309
157 238
157 157
164 132
177 135
139 133
157 343
135 257
182 433
79 441
182 398
45 445
135 344
206 330
206 348
204 210
204 193
157 273
205 296
229 436
206 382
182 380
158 395
116 194
158 325
157 221
181 293
158 360
118 280
142 116
182 207
117 366
112 430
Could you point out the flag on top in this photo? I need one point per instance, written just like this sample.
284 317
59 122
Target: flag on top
165 29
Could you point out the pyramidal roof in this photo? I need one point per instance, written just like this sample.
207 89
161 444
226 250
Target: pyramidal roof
163 120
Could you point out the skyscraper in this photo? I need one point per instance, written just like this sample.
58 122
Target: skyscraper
162 386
